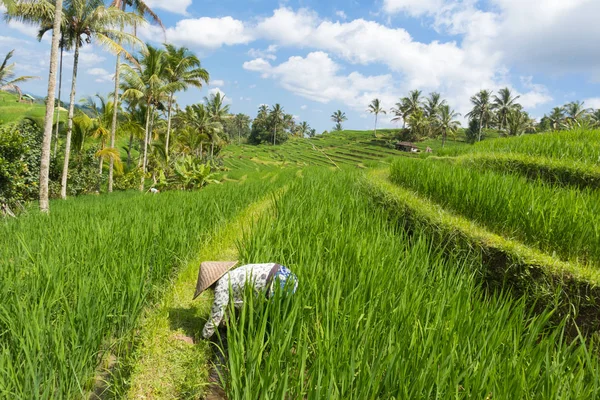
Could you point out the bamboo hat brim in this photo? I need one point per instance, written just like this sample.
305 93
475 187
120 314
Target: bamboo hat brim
210 272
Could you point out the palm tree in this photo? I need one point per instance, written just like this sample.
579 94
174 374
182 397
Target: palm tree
216 107
482 109
518 122
376 108
276 116
143 83
556 118
241 121
446 121
418 123
595 117
83 21
183 70
142 9
338 117
200 124
303 129
503 104
433 105
47 140
575 112
7 76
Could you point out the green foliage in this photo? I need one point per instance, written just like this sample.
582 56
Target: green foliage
379 314
129 181
192 173
564 221
20 154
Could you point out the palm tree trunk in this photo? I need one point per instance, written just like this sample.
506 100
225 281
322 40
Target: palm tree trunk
375 125
58 105
168 126
145 147
480 125
47 140
129 150
113 129
444 138
65 172
274 135
201 151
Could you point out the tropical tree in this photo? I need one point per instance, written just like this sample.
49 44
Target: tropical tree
575 113
200 125
276 117
503 103
7 76
418 123
143 83
241 122
304 129
482 109
518 123
183 70
47 140
338 117
595 117
376 108
556 118
433 105
446 122
216 107
83 22
142 9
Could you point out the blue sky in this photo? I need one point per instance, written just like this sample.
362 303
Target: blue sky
315 57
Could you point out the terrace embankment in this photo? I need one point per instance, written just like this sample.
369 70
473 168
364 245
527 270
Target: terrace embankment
505 262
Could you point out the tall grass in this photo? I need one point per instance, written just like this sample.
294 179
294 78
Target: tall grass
578 145
76 280
380 316
565 221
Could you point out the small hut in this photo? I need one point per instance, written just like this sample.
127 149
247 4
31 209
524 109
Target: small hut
407 146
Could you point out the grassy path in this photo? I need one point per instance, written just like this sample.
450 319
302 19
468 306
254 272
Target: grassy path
172 361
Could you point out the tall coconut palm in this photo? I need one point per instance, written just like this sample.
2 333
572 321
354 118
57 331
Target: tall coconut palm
556 118
595 117
482 109
503 104
575 113
446 122
241 122
7 76
47 139
143 82
433 105
303 129
215 104
83 22
338 117
518 123
142 9
376 108
276 118
183 70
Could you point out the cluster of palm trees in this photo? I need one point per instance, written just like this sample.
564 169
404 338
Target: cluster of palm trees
76 23
570 116
273 125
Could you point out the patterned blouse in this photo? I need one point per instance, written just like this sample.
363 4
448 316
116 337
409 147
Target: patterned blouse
255 274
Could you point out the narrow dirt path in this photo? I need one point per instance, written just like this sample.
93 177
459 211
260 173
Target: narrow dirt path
172 360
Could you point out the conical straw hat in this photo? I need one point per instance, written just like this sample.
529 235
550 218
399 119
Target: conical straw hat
210 272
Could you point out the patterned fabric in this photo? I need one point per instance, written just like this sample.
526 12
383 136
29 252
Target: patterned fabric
254 274
283 276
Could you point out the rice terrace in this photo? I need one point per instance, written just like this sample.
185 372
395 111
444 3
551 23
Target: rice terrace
299 200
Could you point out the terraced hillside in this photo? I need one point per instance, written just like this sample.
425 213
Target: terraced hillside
346 148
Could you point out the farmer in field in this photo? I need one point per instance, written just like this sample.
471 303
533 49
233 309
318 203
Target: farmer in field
220 276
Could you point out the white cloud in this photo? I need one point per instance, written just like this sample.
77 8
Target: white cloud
207 33
252 86
25 29
174 6
341 14
226 99
412 7
303 107
101 75
217 82
593 103
317 77
268 54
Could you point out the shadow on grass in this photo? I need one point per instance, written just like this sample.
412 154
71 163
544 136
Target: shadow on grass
187 319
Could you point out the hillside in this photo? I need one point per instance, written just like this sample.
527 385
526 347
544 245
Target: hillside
11 110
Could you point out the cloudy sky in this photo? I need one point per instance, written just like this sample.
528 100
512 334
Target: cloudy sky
315 57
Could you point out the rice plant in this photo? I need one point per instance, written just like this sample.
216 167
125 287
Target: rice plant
565 221
75 281
379 315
